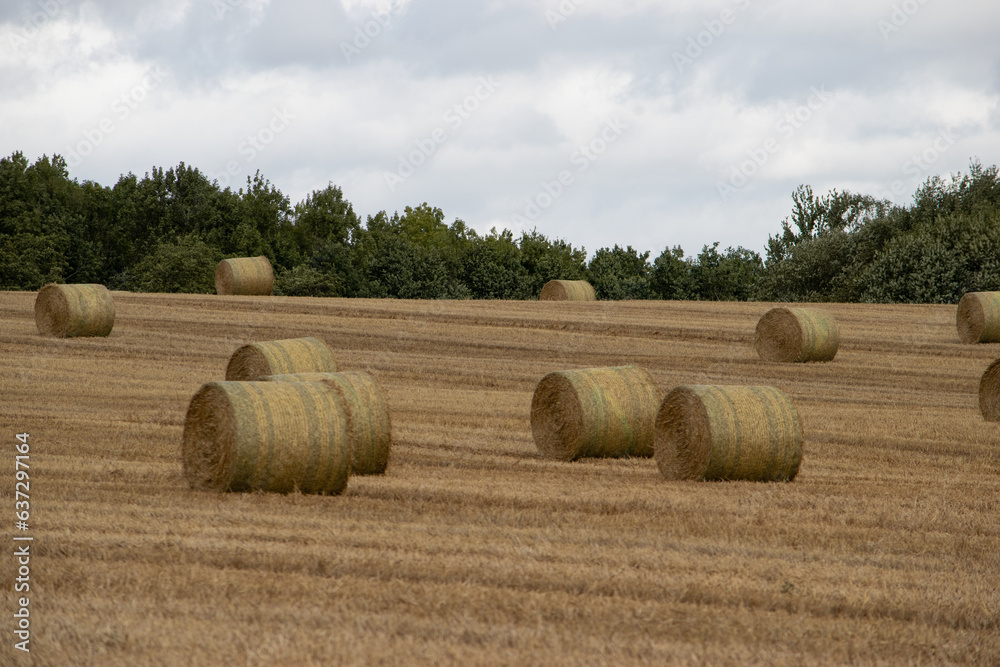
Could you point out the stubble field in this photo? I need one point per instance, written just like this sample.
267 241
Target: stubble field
474 550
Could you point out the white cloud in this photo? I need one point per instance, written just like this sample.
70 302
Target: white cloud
350 121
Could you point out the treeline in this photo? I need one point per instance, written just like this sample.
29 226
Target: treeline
166 231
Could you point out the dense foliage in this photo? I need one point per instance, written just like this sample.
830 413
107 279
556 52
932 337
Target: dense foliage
166 231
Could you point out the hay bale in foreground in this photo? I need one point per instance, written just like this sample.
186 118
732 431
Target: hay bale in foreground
595 412
367 412
74 310
728 433
989 393
567 290
269 436
978 317
796 335
248 276
275 357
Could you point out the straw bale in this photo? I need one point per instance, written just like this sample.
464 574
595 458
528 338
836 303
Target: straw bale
728 433
978 317
567 290
989 393
292 355
600 412
74 310
269 436
367 412
796 335
252 276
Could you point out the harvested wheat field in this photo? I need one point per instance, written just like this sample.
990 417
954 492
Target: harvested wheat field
474 549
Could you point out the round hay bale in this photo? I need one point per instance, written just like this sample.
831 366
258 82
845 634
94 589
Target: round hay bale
367 412
274 357
978 317
268 436
567 290
728 433
796 335
74 310
251 276
989 393
605 412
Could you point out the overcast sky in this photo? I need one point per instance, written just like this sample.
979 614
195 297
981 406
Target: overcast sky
629 121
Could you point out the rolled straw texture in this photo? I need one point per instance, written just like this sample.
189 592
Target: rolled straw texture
74 310
796 335
978 317
989 393
367 412
274 357
245 276
604 412
728 433
567 290
269 436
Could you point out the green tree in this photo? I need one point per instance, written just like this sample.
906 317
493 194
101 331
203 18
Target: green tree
671 276
544 260
620 273
186 265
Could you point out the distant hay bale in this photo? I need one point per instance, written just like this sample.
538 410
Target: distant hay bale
728 433
67 311
606 412
268 436
274 357
796 335
567 290
367 412
251 276
989 393
978 317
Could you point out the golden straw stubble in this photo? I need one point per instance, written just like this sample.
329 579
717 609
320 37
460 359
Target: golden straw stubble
269 436
796 335
978 317
246 276
276 357
367 412
599 412
706 432
989 393
567 290
74 310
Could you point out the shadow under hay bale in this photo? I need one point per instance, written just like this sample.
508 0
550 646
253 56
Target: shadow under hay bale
978 317
989 393
728 433
367 412
567 290
796 335
276 357
246 276
268 436
67 311
599 412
